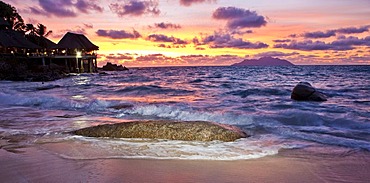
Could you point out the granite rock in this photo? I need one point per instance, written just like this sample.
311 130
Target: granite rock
304 91
172 130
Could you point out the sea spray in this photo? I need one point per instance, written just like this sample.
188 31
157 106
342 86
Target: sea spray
186 114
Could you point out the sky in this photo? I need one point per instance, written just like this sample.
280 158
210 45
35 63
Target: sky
211 32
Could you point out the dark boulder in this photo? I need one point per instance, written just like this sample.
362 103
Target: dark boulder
304 91
172 130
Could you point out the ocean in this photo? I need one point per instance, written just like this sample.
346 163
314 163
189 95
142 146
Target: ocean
255 99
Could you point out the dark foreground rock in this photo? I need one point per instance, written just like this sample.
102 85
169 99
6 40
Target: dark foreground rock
113 67
304 91
172 130
21 69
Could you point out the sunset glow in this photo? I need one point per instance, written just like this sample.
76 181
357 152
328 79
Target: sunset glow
210 32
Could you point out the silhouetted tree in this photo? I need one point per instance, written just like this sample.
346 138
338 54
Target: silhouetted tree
37 34
11 16
42 31
30 29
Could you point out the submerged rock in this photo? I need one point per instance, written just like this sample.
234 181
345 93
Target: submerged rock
121 106
305 91
172 130
70 116
103 73
47 87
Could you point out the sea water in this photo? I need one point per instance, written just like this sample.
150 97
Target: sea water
256 99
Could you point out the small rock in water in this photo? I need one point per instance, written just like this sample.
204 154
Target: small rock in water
121 106
103 73
70 116
47 87
304 91
172 130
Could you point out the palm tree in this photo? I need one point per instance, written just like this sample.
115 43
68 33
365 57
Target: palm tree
37 34
42 31
30 29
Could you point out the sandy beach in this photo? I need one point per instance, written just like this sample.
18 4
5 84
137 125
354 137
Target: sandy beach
41 163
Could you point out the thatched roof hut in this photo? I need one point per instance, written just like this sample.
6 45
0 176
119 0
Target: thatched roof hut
76 41
10 38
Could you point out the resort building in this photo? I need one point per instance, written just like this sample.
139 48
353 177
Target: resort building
12 42
77 52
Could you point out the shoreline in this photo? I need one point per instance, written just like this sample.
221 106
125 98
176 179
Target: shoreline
39 163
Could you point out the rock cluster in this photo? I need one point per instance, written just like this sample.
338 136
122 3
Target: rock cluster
113 67
304 91
172 130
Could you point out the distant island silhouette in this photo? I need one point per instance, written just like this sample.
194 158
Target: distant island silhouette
264 61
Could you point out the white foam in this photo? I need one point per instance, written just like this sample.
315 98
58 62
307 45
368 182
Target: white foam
184 114
103 148
7 132
52 102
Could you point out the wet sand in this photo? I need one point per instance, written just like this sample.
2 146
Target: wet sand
41 164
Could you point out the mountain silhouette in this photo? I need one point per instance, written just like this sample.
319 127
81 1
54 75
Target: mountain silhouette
264 61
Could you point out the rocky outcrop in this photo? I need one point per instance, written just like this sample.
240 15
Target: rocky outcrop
113 67
21 69
304 91
172 130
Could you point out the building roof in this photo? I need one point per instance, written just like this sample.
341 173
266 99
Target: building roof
10 38
49 43
76 41
41 41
